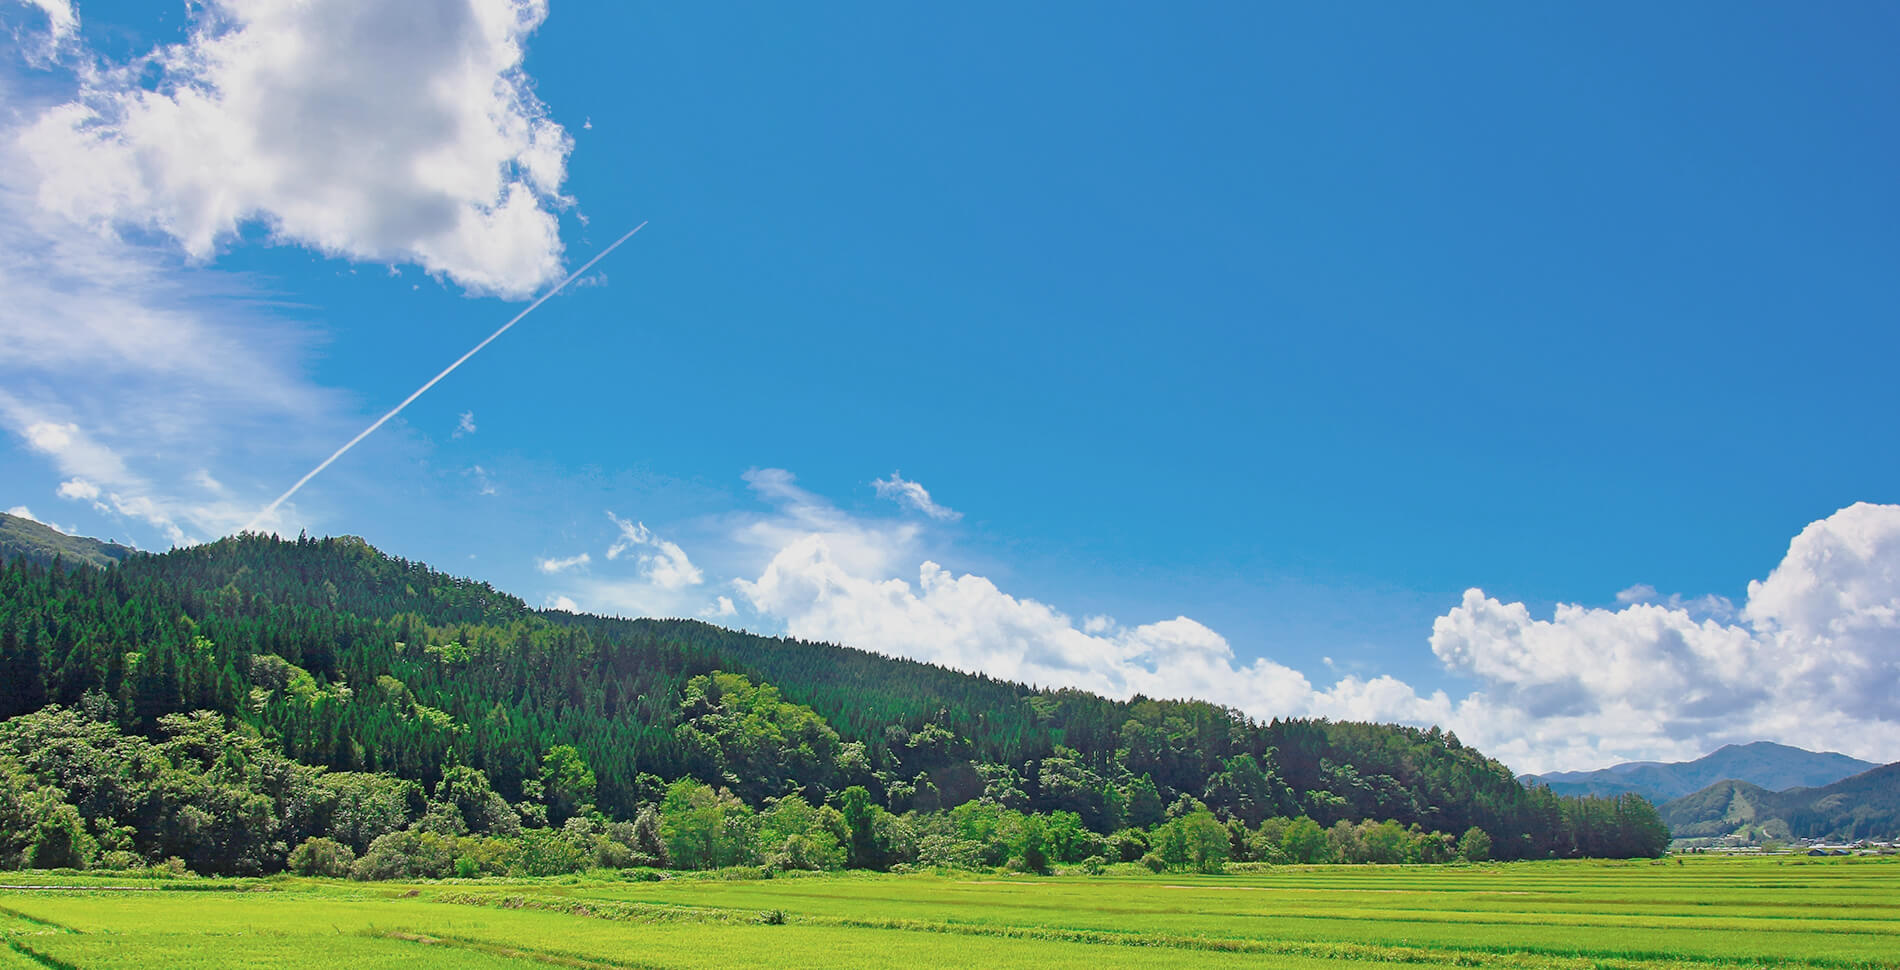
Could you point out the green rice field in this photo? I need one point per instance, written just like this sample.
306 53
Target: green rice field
1704 912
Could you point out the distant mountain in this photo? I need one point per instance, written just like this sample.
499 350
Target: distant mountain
1866 806
1764 764
35 542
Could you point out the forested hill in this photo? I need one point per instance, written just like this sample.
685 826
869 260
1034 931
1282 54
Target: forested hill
37 542
357 661
1866 806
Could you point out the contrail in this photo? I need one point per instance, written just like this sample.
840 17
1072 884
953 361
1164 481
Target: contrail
446 371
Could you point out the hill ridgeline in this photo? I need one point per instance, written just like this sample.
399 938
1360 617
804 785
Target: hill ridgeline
428 705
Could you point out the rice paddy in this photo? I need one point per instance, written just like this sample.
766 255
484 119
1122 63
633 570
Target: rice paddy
1704 913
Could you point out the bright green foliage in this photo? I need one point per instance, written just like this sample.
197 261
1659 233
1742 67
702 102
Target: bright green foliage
463 802
566 782
364 807
1304 841
1245 790
1069 785
753 740
545 852
1474 845
1032 846
794 835
1144 803
1195 841
320 856
408 855
705 829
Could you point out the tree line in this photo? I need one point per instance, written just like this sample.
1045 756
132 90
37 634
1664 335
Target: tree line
337 657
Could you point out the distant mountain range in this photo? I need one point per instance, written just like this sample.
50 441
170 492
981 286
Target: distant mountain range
1866 806
1763 764
39 543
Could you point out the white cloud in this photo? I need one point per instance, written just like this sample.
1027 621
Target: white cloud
967 622
21 511
914 495
663 582
465 424
563 603
832 576
78 489
860 546
563 565
386 132
402 132
721 607
666 567
1813 661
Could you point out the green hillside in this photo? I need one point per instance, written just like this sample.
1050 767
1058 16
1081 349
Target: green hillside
26 539
1866 806
348 660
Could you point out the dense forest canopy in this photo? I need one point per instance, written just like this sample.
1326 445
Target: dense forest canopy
480 715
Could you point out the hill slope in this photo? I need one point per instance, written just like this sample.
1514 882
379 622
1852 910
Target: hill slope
358 661
1763 763
1866 806
36 542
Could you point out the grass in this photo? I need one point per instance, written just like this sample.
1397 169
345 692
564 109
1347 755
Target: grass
1710 914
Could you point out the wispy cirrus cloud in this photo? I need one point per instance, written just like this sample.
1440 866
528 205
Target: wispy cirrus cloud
662 581
661 562
129 378
913 495
42 48
552 565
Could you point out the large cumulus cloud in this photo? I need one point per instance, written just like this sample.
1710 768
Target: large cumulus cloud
1813 660
392 132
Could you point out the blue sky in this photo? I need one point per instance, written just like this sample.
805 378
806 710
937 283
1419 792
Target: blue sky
1234 344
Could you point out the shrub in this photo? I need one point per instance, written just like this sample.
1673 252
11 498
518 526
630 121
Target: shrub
322 857
407 855
60 840
1128 845
121 859
609 854
548 853
1154 862
1475 846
